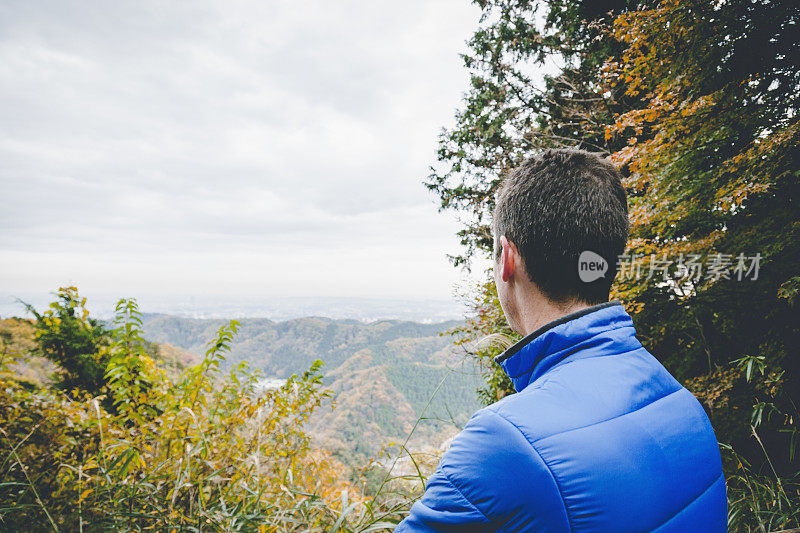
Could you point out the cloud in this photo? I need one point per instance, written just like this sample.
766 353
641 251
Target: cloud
144 136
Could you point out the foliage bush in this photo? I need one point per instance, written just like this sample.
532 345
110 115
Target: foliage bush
68 336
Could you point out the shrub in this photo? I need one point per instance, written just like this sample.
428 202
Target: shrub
67 336
208 451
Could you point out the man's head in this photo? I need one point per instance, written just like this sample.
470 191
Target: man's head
549 211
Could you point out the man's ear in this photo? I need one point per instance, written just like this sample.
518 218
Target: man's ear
508 259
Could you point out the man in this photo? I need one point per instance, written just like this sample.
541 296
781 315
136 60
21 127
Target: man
599 436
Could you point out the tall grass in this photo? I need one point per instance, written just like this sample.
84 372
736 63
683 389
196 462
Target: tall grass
761 499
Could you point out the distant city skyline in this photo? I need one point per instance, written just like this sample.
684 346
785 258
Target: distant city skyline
235 151
274 308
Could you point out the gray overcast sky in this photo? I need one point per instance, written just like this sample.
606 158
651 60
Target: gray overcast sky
227 148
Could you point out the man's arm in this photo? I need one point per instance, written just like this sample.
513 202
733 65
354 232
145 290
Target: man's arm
491 478
444 508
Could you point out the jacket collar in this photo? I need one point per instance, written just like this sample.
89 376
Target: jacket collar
606 327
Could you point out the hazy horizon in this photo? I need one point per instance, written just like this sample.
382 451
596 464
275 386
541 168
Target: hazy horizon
274 308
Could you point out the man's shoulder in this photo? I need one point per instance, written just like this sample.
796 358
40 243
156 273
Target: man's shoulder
493 465
488 443
586 392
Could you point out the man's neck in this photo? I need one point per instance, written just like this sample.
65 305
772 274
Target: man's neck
537 313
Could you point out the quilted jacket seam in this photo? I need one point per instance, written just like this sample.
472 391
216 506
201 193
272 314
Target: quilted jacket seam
690 502
547 466
461 493
626 413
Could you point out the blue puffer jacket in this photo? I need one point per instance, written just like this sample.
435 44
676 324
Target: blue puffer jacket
599 437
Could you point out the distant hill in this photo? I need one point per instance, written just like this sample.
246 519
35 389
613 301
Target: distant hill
382 373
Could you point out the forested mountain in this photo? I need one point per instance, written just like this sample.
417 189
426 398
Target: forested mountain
382 373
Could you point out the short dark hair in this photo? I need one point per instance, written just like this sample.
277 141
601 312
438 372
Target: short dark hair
557 205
